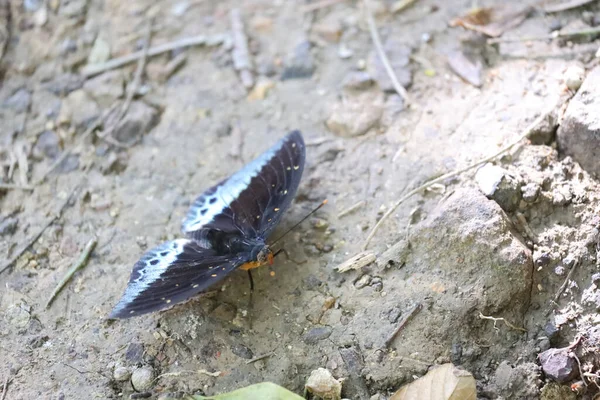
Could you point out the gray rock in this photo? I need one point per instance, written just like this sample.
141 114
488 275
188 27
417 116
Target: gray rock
497 184
495 266
142 378
517 382
579 132
357 80
558 366
317 334
140 119
47 145
134 353
69 164
8 226
242 351
552 332
300 63
356 114
363 281
399 57
106 88
19 101
78 109
545 131
121 374
530 192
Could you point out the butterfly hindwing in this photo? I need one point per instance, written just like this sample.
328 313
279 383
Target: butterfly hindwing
172 273
253 199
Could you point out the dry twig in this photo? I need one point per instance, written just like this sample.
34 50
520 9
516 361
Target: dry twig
564 6
133 88
553 35
201 40
409 315
384 59
503 320
12 186
5 388
258 358
317 5
442 178
80 263
565 283
240 53
37 235
351 209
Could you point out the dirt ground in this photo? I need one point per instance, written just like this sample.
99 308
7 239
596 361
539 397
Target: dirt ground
457 254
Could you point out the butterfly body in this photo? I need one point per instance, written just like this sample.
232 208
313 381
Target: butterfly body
227 228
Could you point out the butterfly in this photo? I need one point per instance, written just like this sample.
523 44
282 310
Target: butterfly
226 228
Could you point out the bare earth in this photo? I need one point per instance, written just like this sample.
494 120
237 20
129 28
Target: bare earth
458 254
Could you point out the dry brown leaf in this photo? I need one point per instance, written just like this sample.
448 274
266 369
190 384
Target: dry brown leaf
446 382
492 22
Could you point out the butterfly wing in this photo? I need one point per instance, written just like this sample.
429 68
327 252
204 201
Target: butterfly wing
253 199
172 273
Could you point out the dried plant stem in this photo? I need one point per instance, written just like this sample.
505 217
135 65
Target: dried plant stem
80 263
442 178
384 59
503 320
37 235
409 315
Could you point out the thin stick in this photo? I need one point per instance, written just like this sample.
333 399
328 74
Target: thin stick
411 313
503 320
442 178
258 358
35 237
80 263
200 40
564 285
4 388
386 62
352 208
240 53
554 35
320 4
133 88
12 186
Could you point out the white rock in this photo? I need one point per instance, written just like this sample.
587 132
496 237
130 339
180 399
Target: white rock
574 76
322 384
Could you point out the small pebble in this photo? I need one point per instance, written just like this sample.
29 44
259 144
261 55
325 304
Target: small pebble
121 374
323 385
362 282
142 378
596 279
560 271
574 76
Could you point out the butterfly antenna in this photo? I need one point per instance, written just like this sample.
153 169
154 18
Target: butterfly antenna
301 221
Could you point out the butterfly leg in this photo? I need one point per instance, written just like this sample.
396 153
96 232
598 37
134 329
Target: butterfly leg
251 281
288 257
251 299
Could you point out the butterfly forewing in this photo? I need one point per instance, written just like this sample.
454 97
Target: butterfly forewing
253 199
172 273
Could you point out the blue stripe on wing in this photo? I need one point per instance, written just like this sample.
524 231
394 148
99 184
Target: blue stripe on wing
253 199
172 273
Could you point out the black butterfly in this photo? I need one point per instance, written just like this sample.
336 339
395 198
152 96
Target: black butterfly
226 227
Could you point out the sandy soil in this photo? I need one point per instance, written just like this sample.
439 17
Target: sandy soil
466 255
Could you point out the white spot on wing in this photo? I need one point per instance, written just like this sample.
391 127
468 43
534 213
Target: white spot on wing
204 211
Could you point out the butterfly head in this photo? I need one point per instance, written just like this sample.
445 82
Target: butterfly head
265 256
